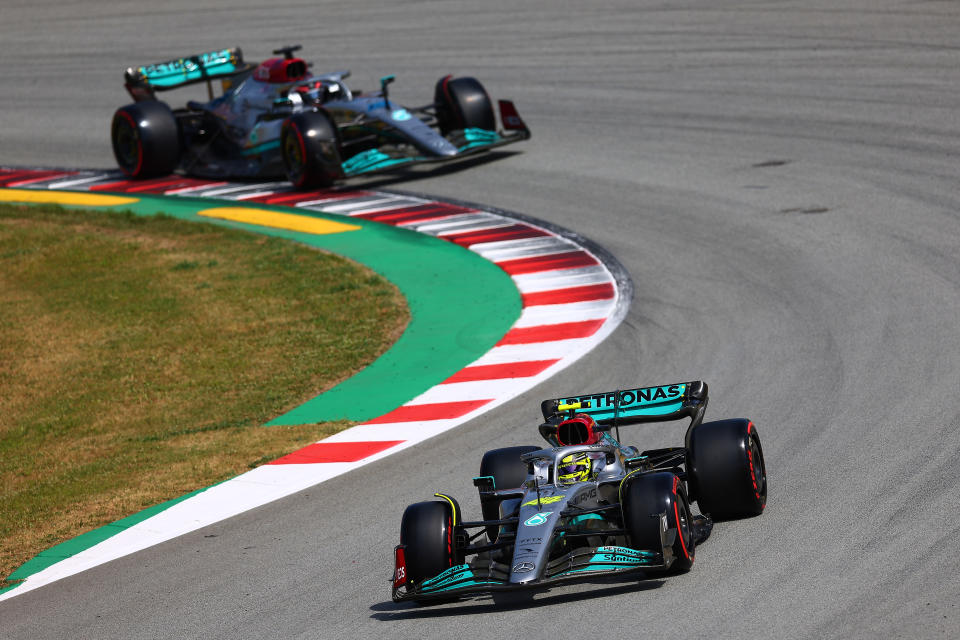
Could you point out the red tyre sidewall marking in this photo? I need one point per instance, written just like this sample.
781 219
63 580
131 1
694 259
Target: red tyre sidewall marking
302 179
753 473
676 513
126 116
449 542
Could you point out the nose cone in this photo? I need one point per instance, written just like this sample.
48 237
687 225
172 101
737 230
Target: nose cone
533 541
422 136
443 147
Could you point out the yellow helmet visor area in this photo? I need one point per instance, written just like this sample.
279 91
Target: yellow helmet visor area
573 468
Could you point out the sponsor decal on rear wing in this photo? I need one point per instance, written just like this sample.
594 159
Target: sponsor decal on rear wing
203 67
631 406
191 69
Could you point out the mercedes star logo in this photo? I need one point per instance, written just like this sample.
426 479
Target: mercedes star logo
523 567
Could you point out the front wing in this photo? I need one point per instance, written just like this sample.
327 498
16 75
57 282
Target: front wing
471 141
483 575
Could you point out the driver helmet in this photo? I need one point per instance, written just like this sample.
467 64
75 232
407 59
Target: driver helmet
313 92
574 468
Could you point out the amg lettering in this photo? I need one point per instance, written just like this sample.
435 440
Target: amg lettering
583 497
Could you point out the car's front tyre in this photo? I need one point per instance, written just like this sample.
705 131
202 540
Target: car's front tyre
427 533
463 103
310 148
644 499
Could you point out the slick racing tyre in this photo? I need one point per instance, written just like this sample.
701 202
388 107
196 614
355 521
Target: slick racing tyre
728 474
463 103
508 472
646 495
427 532
146 142
311 150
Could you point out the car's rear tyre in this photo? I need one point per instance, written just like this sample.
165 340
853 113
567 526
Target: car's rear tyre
427 532
310 147
463 103
643 497
728 474
145 138
508 472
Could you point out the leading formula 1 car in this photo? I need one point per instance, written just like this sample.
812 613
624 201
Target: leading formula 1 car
587 505
278 118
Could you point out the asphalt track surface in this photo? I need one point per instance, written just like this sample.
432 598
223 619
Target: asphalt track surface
781 180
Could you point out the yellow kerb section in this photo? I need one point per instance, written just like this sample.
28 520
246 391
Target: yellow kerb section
277 220
63 197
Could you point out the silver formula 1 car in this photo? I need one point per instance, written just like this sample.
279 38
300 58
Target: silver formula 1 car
278 118
587 505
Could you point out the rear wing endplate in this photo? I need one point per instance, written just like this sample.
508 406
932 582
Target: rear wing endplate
141 82
633 406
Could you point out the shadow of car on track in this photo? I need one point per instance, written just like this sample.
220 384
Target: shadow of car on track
487 603
387 178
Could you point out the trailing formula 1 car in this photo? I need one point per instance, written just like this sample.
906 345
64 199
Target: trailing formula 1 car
587 505
278 118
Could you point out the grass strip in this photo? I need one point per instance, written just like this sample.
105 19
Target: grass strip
140 357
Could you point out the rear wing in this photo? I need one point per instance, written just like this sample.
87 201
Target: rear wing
142 82
633 406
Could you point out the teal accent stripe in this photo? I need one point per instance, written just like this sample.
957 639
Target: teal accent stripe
456 577
260 148
606 567
479 138
575 520
652 410
626 559
373 160
460 585
480 135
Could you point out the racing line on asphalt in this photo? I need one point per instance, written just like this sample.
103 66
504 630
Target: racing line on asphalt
572 294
